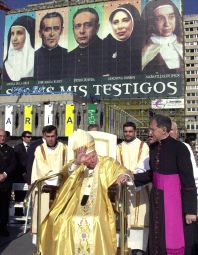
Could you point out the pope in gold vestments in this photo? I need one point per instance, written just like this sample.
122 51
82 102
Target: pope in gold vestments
73 229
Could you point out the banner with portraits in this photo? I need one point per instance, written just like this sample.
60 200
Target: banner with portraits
111 50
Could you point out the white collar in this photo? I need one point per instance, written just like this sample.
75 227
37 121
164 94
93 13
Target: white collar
162 40
25 144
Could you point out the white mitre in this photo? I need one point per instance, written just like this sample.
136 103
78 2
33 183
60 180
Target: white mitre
83 139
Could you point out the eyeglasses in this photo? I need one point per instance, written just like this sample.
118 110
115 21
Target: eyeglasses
28 136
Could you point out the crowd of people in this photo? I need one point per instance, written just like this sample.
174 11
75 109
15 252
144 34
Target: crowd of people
135 43
76 212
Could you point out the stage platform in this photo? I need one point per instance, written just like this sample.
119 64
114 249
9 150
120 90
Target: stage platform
21 244
17 243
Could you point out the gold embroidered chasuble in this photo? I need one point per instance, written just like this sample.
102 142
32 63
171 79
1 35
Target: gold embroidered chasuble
73 229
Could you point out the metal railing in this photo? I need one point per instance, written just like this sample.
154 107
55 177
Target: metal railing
38 185
121 207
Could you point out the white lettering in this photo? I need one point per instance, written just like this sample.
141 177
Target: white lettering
83 89
117 87
159 87
50 89
148 87
106 88
127 85
172 85
97 89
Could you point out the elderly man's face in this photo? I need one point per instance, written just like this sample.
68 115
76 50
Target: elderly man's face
85 28
91 160
165 20
51 32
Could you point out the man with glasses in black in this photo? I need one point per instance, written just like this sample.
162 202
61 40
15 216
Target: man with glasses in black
21 156
21 171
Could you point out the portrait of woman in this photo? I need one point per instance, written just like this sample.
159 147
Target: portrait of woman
122 47
19 61
162 43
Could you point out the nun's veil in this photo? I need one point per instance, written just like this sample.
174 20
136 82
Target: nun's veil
20 63
29 24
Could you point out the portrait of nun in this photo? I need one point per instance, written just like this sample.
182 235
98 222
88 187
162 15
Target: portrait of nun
19 61
122 47
162 43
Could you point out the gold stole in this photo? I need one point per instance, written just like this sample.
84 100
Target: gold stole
84 217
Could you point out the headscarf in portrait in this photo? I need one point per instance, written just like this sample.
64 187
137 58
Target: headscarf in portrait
148 19
20 63
126 51
133 13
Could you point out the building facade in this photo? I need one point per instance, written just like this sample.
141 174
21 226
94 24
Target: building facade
191 72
